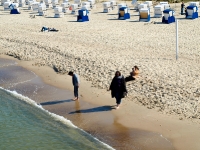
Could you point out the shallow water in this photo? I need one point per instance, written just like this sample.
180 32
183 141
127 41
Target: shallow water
24 126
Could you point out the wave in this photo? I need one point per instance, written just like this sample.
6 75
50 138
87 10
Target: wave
14 84
11 64
54 116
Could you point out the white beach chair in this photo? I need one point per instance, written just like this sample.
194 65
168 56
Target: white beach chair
55 3
35 6
78 2
107 7
48 3
158 11
74 8
58 12
6 6
22 3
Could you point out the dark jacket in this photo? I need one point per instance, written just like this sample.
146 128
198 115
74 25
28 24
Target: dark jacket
114 86
182 5
75 80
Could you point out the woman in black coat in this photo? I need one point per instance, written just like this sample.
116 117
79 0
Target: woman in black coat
118 88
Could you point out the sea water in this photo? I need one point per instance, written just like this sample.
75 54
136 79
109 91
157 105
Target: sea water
26 125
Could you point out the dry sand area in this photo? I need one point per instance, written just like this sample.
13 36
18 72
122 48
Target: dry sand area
96 49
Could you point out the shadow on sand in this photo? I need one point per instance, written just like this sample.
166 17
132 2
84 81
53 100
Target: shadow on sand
113 19
162 23
96 109
112 14
5 14
50 17
100 13
74 21
134 21
135 15
56 102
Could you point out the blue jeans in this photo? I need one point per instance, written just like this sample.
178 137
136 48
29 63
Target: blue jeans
118 98
76 91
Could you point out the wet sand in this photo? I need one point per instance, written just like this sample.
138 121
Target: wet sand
133 124
98 120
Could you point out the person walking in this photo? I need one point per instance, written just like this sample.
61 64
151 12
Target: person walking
118 88
75 82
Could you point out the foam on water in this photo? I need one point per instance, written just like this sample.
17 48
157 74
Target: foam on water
10 64
54 116
14 84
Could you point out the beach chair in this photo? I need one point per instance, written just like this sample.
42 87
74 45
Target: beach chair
3 1
35 6
106 7
149 5
16 1
158 11
48 3
22 3
58 12
30 2
121 5
65 7
191 12
83 15
168 16
55 3
163 3
74 8
78 2
141 6
6 6
135 4
194 4
92 4
123 13
113 4
87 5
14 8
144 15
42 9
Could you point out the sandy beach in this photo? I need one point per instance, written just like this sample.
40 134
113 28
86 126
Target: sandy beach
164 99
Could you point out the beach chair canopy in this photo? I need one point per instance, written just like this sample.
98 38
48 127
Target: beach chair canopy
167 11
192 7
122 8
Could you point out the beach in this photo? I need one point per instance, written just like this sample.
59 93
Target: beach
163 100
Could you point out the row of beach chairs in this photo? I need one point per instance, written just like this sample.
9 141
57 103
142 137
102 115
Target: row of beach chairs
82 9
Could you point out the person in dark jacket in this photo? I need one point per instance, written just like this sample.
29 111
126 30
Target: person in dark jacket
118 88
182 8
75 82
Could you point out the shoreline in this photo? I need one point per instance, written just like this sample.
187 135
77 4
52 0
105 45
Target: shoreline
164 84
99 116
56 119
165 98
144 119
